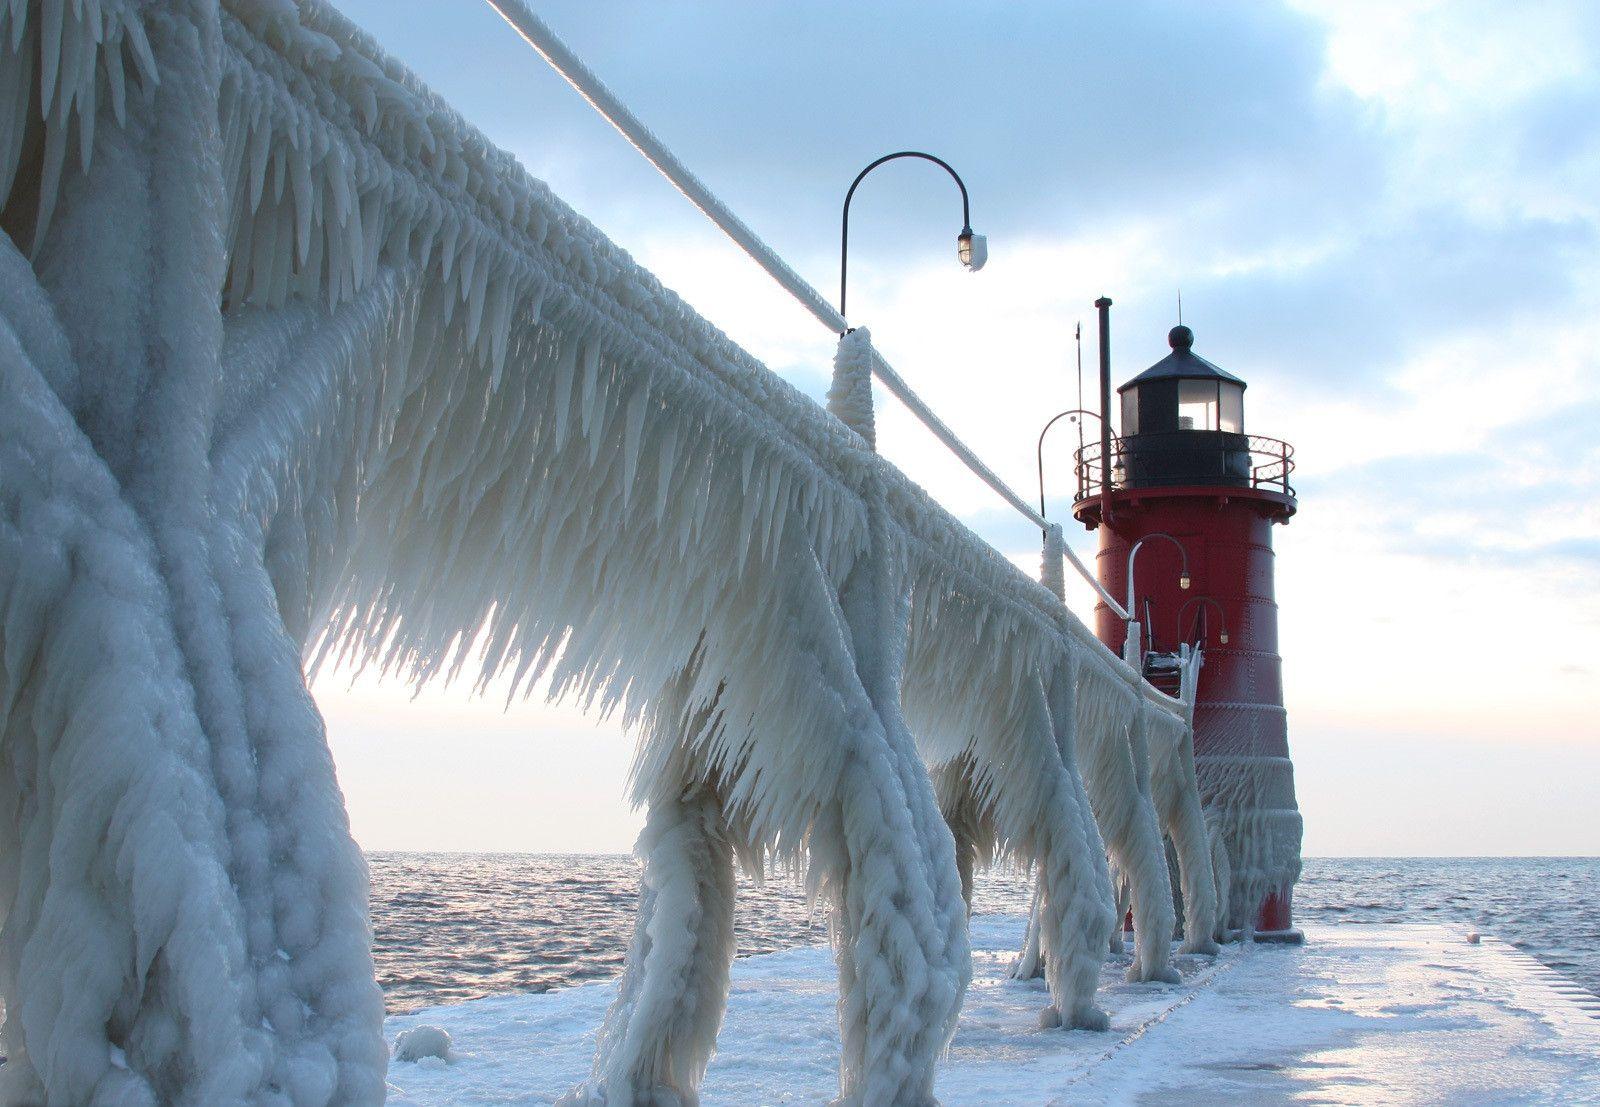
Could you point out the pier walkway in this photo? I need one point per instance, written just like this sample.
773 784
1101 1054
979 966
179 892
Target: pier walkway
1359 1014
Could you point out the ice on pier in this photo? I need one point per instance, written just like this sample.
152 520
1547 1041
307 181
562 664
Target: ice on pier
297 368
423 1043
1359 1014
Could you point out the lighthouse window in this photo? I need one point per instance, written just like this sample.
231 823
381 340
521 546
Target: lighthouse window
1197 405
1231 416
1130 412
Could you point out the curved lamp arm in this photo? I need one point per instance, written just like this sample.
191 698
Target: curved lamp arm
1222 616
1183 578
1040 452
972 249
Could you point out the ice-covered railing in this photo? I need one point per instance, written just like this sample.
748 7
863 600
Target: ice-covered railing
293 362
539 35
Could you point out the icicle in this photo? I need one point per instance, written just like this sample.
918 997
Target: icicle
632 436
51 21
83 82
500 302
665 472
143 56
589 416
55 153
300 184
116 81
476 276
566 361
16 79
771 500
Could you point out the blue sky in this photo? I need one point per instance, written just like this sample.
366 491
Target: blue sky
1383 216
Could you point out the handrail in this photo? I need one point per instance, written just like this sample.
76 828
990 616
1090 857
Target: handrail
538 35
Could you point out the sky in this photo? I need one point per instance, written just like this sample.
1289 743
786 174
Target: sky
1383 216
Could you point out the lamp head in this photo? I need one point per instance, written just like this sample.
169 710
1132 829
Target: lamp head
1223 638
1183 580
972 249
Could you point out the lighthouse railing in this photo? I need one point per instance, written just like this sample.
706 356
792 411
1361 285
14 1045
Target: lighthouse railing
1267 465
1276 464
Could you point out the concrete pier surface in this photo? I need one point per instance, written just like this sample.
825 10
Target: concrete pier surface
1358 1015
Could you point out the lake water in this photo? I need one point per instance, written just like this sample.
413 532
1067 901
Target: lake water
452 927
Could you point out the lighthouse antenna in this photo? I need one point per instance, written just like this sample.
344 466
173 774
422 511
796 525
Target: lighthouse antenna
1103 306
1180 306
1078 338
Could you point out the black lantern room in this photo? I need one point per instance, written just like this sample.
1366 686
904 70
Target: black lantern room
1183 422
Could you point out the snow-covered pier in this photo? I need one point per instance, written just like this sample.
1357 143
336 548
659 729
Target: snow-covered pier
1359 1014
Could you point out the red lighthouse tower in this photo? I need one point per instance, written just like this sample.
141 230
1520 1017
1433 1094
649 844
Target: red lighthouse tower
1184 468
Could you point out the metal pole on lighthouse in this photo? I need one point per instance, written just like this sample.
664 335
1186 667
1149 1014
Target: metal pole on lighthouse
1102 306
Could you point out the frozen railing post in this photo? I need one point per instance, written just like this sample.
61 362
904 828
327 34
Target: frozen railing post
1182 817
1132 651
1052 574
850 396
1052 568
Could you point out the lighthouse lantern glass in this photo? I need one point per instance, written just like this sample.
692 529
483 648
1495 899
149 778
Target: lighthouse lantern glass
1198 403
1130 412
1230 416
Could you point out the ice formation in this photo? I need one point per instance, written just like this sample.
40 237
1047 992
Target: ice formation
295 367
661 1030
423 1043
1177 800
1142 780
1222 876
1249 795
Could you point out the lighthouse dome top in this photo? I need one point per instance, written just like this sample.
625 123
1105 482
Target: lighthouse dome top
1182 363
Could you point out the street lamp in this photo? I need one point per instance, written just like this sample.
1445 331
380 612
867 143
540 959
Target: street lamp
1040 451
1222 617
1130 647
971 249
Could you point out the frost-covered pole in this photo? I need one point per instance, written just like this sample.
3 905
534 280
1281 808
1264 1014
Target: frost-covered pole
850 396
1103 307
1052 572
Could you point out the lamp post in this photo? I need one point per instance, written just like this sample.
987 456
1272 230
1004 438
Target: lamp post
1040 451
1222 617
971 249
1131 643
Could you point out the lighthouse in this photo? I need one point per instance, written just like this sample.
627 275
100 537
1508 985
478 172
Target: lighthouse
1185 498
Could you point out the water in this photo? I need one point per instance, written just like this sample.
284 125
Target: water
1547 906
453 927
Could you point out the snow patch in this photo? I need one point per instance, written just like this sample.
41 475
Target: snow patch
423 1043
